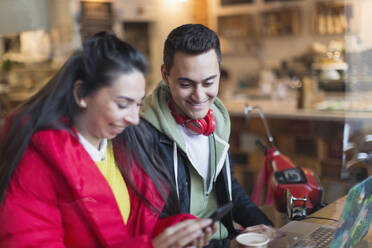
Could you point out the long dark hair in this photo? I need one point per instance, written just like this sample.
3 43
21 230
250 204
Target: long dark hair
138 141
102 58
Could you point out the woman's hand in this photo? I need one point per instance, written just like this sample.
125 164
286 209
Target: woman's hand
192 232
204 240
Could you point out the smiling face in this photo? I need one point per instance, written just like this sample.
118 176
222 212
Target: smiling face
193 81
109 110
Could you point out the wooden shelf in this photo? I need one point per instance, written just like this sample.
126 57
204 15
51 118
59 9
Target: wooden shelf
95 17
240 26
281 21
242 33
232 2
238 33
332 17
280 1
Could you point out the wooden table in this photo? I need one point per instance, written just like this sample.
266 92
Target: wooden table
333 211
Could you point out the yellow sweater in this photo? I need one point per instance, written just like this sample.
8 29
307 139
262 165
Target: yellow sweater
111 172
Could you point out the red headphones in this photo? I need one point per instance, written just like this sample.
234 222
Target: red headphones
203 126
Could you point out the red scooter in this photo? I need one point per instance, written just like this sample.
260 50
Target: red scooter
294 190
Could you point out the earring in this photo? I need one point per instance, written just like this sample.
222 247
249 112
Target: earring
83 104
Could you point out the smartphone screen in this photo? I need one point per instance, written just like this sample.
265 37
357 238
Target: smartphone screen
221 211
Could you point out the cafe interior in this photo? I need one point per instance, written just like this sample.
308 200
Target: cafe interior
296 77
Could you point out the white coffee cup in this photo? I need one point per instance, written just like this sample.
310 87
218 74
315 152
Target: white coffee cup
256 240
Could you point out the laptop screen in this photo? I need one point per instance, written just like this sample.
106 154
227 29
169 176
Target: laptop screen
356 216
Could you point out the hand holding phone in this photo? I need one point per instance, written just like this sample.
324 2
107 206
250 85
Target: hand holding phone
221 211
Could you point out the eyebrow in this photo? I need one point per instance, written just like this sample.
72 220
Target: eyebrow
130 99
193 81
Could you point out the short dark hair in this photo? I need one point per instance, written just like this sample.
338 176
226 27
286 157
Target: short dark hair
190 39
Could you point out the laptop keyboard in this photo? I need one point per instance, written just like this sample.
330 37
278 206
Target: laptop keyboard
323 236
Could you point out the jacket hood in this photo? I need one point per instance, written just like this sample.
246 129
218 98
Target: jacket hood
157 112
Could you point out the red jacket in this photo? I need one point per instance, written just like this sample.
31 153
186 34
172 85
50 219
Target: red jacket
58 198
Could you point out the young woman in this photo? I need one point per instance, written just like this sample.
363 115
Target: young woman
65 181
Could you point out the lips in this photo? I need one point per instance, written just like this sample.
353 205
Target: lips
196 110
197 106
117 129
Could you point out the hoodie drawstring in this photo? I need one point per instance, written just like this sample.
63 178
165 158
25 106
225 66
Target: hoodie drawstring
175 161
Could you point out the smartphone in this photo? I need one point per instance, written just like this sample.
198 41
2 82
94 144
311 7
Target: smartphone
221 211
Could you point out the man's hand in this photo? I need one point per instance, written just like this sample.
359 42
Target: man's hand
270 232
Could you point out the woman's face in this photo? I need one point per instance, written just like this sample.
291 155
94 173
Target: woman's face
108 111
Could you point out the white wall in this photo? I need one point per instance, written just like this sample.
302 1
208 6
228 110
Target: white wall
172 13
64 29
23 15
365 21
47 29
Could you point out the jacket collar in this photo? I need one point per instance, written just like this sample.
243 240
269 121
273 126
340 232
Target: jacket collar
165 141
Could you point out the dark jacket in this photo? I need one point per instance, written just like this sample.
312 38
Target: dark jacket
245 212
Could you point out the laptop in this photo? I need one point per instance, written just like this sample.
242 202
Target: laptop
352 226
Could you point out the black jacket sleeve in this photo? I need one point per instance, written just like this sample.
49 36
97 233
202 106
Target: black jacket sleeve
215 243
245 212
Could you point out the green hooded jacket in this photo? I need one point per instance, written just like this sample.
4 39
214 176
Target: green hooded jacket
157 113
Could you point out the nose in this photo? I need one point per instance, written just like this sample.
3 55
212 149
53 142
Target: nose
132 118
198 94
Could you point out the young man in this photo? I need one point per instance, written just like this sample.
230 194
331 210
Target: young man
191 129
